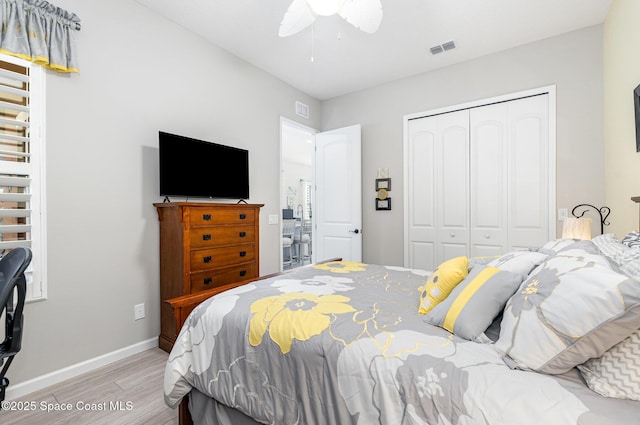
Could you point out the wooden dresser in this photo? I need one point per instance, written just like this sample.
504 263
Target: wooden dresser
203 245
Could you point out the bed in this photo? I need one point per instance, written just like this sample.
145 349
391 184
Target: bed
544 336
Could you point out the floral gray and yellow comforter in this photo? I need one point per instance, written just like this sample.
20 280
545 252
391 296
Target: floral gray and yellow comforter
342 343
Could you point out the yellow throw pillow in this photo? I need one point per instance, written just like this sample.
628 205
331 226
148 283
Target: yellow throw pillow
442 281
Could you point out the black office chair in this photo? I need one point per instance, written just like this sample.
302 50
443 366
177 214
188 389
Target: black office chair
12 267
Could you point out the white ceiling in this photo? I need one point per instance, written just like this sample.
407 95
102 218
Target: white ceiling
347 60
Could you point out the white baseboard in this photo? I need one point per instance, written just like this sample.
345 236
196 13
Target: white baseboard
23 388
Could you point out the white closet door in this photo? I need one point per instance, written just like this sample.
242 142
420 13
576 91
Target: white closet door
437 184
489 188
452 185
421 190
478 181
528 172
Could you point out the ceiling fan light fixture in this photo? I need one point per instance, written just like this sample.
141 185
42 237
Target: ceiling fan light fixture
325 7
365 15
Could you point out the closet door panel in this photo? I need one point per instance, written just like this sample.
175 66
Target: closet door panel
452 187
421 191
528 172
488 165
478 181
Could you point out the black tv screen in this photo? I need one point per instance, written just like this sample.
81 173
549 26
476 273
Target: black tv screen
636 104
195 168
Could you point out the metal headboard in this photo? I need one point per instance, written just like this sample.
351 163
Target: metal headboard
603 211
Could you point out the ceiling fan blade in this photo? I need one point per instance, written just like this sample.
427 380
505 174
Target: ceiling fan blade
365 15
298 17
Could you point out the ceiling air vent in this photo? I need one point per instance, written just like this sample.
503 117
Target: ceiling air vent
449 45
302 110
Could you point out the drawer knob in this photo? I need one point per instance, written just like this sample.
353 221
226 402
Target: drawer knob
206 217
207 259
243 272
243 234
243 216
206 237
243 253
207 280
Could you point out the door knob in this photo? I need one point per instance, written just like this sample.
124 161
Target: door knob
453 235
487 236
355 231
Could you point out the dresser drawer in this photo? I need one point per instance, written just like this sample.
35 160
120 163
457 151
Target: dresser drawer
212 278
201 237
203 259
209 216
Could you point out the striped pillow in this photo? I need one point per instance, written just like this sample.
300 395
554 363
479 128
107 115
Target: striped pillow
617 373
473 304
632 240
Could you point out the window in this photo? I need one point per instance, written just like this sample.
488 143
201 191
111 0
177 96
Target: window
22 220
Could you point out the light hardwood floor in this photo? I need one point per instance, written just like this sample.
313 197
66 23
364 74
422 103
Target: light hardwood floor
129 392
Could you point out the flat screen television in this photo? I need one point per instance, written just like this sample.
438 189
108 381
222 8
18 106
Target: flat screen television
636 104
200 169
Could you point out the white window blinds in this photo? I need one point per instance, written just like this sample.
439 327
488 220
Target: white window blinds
21 189
307 200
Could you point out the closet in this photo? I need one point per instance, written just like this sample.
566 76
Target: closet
479 180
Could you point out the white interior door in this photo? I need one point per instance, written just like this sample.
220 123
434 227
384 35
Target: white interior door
420 180
452 186
338 195
529 171
489 180
438 189
480 178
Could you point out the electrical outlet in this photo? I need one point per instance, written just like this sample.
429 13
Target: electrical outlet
138 311
273 218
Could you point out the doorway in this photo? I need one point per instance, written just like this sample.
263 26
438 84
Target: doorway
296 193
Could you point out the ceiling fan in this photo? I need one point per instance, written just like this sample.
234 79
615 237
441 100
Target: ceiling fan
365 15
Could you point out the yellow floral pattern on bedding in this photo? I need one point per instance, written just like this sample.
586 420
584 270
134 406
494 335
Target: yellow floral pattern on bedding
295 315
341 266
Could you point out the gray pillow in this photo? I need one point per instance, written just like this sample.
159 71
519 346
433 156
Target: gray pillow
519 262
475 302
573 307
562 245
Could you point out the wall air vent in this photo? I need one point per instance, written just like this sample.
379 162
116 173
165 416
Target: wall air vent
449 45
302 110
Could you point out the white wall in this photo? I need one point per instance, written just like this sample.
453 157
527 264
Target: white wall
621 76
139 74
573 62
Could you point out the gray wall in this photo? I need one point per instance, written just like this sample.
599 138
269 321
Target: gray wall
573 62
139 74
